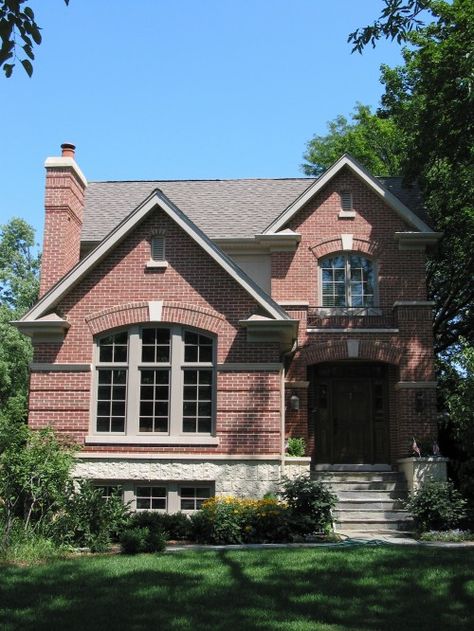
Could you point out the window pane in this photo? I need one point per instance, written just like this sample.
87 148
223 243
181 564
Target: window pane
148 354
104 393
103 424
106 353
158 504
189 425
204 426
147 376
105 376
143 503
118 424
187 504
190 338
120 354
146 424
148 336
103 408
190 376
205 354
114 348
191 354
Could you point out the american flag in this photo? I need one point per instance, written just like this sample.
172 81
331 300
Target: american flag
415 447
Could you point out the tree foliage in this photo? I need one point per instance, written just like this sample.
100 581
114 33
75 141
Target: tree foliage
372 140
19 267
18 22
397 21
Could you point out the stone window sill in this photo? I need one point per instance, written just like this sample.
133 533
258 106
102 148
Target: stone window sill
151 440
347 214
156 264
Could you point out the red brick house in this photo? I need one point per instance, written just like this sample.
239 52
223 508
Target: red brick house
185 329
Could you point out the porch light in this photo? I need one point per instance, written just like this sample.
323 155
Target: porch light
294 402
419 402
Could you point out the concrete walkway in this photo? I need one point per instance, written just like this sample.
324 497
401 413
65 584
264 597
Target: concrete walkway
349 540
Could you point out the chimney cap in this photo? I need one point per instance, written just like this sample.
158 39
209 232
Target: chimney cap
68 150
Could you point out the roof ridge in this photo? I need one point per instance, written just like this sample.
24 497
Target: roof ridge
242 179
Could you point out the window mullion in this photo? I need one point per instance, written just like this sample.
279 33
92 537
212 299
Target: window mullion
133 382
348 283
176 382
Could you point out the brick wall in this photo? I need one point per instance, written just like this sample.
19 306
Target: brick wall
401 277
195 291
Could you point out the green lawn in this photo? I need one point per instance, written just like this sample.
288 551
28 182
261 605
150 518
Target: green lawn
387 587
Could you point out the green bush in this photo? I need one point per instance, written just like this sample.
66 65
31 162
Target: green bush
310 502
452 536
436 506
141 539
87 519
176 526
133 540
220 521
296 447
29 547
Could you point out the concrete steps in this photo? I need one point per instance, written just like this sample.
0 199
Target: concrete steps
368 501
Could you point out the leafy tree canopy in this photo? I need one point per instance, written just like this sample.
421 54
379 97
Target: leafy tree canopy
19 267
18 23
372 140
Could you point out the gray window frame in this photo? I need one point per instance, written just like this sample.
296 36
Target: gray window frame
173 494
134 366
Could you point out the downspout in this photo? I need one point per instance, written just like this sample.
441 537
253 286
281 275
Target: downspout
284 357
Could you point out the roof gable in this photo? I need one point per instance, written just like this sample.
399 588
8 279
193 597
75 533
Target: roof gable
118 234
373 183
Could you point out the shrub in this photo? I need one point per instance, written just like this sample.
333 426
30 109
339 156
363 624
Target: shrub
309 499
88 519
296 447
30 547
176 526
436 506
142 539
133 540
453 536
231 520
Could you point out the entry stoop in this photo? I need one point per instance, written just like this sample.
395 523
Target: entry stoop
368 500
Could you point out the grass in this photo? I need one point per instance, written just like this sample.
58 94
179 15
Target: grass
357 588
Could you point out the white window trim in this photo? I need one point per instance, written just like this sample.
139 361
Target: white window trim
176 365
347 309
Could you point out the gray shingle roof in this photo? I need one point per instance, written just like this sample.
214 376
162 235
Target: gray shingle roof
221 208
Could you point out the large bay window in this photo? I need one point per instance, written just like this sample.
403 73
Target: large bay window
154 381
348 280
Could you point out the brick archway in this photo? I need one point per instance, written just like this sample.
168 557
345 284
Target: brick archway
172 312
337 350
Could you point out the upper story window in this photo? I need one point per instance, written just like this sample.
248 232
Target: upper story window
154 380
348 280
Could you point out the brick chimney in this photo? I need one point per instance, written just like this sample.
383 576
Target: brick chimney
64 206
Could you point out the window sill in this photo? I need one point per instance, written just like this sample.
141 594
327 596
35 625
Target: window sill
347 214
152 440
156 264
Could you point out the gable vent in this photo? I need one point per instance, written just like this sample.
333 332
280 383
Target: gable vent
346 201
158 248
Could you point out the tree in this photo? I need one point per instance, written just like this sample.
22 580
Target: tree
17 21
19 268
431 101
372 140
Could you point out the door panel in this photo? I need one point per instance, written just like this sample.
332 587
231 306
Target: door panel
349 412
351 421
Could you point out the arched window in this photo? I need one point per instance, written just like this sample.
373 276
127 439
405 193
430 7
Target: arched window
154 380
347 280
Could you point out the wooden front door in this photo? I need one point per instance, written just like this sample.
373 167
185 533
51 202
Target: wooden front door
349 409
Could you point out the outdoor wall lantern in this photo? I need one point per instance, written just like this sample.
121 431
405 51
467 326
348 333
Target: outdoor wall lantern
419 402
294 402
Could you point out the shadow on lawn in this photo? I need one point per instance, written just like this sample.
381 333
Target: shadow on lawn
288 590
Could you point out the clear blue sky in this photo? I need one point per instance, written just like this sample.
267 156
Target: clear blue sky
155 89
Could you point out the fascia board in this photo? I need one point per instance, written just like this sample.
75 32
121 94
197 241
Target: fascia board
56 293
346 160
